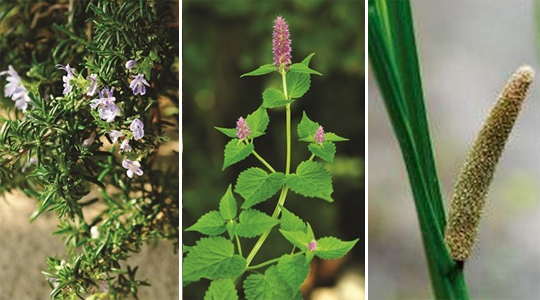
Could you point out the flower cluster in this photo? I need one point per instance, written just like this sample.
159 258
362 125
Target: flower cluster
106 106
15 89
282 43
319 135
242 129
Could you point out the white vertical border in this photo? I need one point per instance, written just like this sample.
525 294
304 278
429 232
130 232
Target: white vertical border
181 144
366 139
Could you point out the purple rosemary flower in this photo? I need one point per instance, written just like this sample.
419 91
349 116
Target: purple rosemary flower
15 89
319 135
105 98
88 142
282 43
108 112
132 167
138 84
103 286
115 134
94 232
31 161
130 64
54 282
312 246
125 147
137 128
66 79
242 129
93 85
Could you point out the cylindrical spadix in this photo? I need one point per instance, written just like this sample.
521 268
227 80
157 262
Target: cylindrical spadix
475 176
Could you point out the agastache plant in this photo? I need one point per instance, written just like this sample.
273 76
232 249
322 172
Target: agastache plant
219 257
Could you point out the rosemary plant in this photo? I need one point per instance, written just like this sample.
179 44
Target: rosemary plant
88 87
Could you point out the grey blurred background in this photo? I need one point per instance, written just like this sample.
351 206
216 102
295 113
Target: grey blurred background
467 51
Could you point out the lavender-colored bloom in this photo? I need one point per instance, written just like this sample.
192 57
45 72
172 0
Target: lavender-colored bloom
31 161
242 129
130 64
94 232
282 43
115 134
66 79
93 84
109 112
15 89
312 246
21 99
54 281
88 142
132 167
138 84
319 135
137 128
105 98
125 147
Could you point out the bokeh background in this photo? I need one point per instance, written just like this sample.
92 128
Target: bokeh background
224 39
467 51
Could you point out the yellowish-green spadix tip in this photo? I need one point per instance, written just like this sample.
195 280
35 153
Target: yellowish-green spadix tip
475 176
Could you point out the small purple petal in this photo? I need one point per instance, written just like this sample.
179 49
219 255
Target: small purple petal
242 129
319 135
130 64
312 246
132 167
137 128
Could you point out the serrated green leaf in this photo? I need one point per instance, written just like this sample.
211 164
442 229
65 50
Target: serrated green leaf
231 228
269 286
302 68
185 248
236 151
230 132
326 151
227 205
311 180
210 223
332 248
306 127
262 70
254 223
221 289
212 258
255 185
257 122
293 270
300 239
297 84
274 98
332 137
290 222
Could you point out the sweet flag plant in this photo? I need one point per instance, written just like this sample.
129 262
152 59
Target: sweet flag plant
87 88
219 256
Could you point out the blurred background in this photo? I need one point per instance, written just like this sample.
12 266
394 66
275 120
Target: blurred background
467 51
224 39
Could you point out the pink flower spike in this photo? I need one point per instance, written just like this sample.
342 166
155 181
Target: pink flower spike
319 135
311 246
281 43
242 129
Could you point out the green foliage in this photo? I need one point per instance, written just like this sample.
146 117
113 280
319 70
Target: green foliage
332 248
283 278
221 289
60 151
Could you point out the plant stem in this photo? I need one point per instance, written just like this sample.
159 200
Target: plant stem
239 245
264 162
268 262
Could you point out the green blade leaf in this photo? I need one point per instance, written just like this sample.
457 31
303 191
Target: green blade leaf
257 122
306 127
212 258
299 239
332 248
210 223
236 151
325 151
230 132
293 270
269 286
255 185
297 84
311 180
227 205
332 137
301 68
274 98
262 70
254 223
307 59
290 222
221 289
